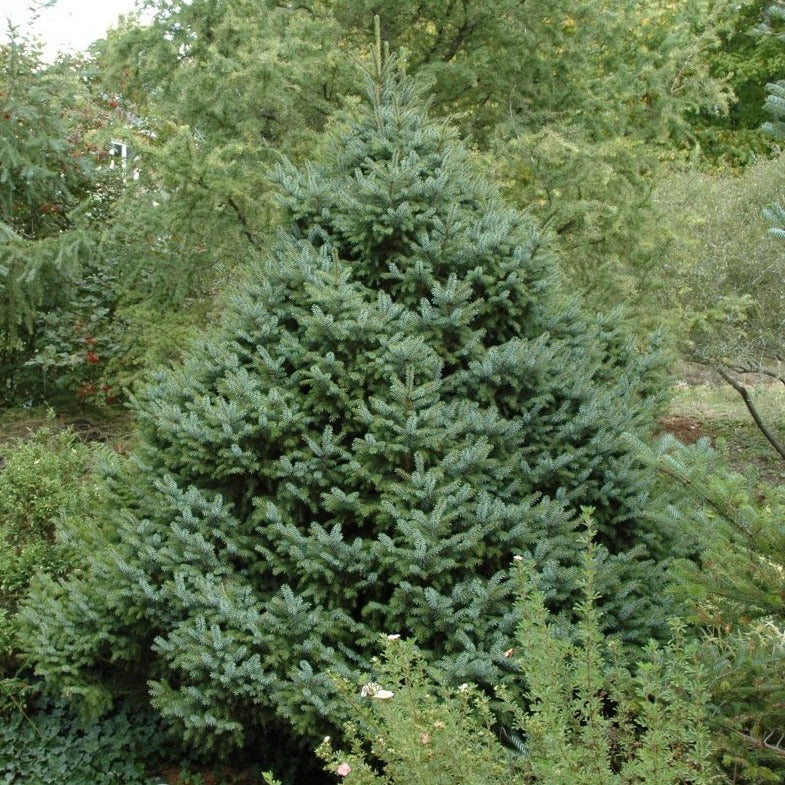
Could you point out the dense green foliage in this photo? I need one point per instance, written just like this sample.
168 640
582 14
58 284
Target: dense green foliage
587 718
633 73
47 488
401 396
575 128
749 56
54 200
45 742
400 402
734 592
220 89
43 480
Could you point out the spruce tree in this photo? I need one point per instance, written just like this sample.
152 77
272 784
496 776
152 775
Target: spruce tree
401 401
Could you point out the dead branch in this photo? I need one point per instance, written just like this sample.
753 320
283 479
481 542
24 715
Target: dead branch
756 369
765 742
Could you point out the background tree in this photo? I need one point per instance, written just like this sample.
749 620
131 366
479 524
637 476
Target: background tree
633 73
577 128
50 201
749 56
402 400
731 282
727 268
221 89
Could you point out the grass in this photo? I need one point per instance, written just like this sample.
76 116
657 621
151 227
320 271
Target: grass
718 412
91 424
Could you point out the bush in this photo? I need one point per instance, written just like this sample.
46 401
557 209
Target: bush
402 401
726 271
43 480
584 718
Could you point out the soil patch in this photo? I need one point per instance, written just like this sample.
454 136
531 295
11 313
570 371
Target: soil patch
686 429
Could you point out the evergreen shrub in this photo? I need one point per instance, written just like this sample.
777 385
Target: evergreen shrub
401 401
734 593
47 488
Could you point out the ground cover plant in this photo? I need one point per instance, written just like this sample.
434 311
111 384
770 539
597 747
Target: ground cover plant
45 741
403 400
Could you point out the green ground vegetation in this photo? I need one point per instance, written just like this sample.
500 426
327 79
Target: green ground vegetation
336 340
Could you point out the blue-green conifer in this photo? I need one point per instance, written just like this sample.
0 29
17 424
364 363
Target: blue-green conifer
402 401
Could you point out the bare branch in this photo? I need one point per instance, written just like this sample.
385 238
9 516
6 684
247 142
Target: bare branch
765 742
246 229
750 404
757 369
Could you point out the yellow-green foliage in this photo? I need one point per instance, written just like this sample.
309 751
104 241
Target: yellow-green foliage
42 480
726 270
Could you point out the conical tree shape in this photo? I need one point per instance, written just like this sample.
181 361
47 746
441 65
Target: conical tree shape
400 405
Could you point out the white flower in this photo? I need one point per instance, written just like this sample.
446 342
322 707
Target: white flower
374 690
517 557
369 689
463 687
394 637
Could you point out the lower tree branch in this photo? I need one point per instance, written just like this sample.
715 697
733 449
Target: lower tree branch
765 742
755 369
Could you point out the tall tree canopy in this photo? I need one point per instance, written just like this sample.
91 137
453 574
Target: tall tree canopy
572 101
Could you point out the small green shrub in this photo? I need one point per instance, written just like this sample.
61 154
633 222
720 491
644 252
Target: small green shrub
43 479
725 272
580 715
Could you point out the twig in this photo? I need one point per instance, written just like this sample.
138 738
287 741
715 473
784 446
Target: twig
764 742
